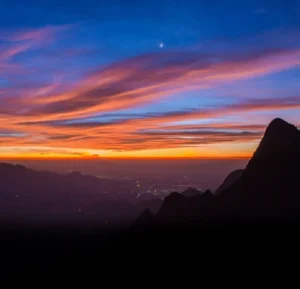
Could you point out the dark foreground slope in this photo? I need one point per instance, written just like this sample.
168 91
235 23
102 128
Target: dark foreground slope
229 181
62 258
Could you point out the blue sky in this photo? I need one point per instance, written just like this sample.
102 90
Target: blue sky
125 67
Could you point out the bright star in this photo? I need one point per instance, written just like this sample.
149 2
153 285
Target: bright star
161 45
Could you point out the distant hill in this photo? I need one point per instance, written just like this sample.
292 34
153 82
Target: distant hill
32 196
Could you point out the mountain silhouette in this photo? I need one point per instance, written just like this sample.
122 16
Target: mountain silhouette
267 190
172 206
270 184
144 220
178 208
229 181
190 192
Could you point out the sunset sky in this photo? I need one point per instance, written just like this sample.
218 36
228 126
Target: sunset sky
145 78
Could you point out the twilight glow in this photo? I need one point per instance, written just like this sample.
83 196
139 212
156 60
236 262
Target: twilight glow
147 78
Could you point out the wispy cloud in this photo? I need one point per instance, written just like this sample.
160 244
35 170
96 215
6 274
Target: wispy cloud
10 52
156 130
64 117
15 43
37 34
147 78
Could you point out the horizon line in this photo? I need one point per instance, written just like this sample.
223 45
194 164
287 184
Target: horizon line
126 158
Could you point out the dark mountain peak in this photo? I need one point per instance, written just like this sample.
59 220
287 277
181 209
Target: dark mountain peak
278 121
189 192
146 218
206 196
177 207
281 138
146 214
280 126
270 182
174 196
171 203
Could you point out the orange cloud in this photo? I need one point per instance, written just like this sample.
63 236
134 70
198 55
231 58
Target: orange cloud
152 132
42 114
147 78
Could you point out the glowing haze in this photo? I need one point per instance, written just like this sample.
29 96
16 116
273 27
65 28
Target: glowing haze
145 79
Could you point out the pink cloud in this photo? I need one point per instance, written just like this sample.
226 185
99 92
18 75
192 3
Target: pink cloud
40 111
35 34
8 53
150 77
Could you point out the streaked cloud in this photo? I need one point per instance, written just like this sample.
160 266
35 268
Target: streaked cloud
87 115
39 34
155 130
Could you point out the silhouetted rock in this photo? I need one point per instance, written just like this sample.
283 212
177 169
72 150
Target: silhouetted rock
146 216
171 205
267 190
190 192
270 185
178 208
229 181
143 222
